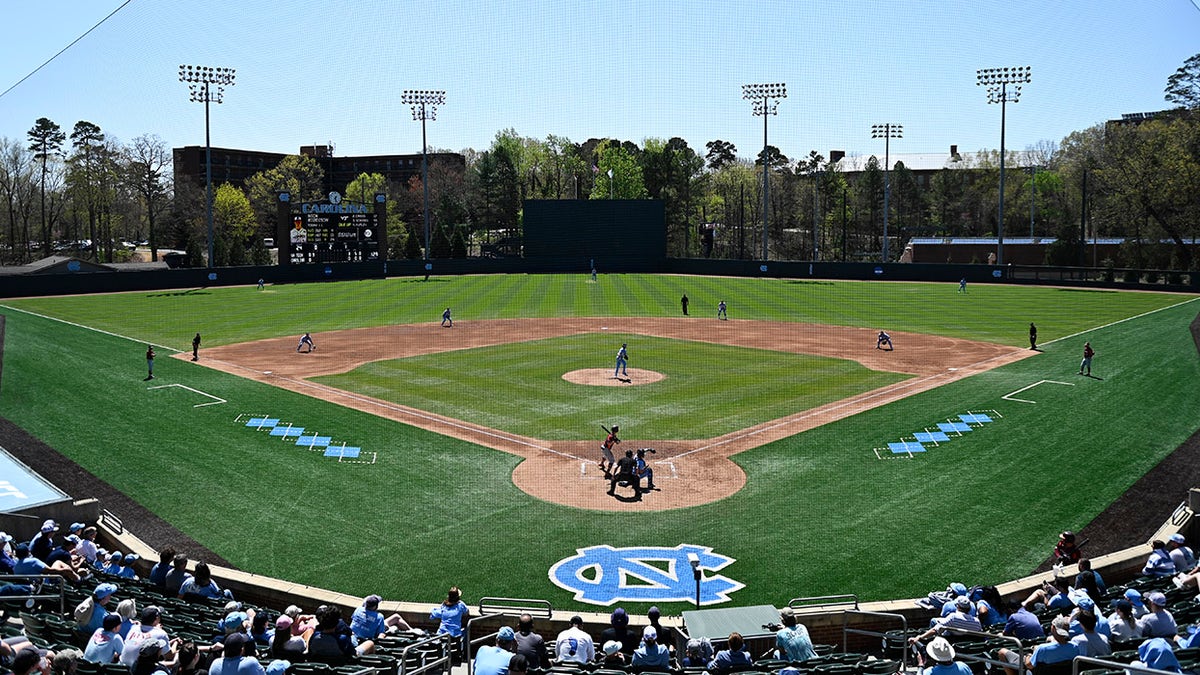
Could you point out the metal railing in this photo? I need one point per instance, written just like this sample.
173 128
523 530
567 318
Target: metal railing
39 582
110 520
1115 665
444 662
847 630
490 608
984 658
824 601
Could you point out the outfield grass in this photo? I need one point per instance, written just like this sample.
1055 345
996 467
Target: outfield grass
820 514
709 389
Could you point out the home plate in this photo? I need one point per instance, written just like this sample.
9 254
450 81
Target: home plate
266 372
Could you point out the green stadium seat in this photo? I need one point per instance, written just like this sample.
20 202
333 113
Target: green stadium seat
877 667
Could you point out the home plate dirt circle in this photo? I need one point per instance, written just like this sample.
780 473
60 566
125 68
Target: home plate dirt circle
603 377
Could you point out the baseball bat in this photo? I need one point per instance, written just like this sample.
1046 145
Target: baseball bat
605 429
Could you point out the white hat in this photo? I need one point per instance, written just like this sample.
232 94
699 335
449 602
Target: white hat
612 647
940 650
649 634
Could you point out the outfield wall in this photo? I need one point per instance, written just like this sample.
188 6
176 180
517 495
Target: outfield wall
24 285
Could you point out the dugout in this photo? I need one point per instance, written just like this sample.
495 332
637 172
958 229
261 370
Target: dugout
619 235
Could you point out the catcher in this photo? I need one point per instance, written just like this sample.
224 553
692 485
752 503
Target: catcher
606 449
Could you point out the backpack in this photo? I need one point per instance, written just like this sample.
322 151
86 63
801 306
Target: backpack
83 611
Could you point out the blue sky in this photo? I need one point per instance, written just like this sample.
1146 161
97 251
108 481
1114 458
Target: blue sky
314 71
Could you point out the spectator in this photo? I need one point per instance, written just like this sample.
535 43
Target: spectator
201 585
301 622
1022 623
148 630
278 667
1157 622
1065 551
1122 625
27 563
1159 564
1088 606
127 610
958 590
66 662
89 614
61 551
368 624
529 644
113 564
618 630
1090 580
7 561
332 640
190 659
1192 640
43 542
86 548
664 637
30 661
942 654
452 613
1156 653
494 660
989 608
650 655
518 665
1052 595
1134 596
234 660
1056 650
959 619
697 653
612 657
574 645
236 621
175 577
105 645
260 632
154 656
792 642
158 573
1181 553
1089 642
734 657
285 645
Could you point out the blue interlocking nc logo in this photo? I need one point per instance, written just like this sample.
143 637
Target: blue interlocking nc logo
603 575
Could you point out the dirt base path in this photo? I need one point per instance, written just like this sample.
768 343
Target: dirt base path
687 472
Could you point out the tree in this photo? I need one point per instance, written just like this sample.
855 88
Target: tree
619 174
720 154
147 161
45 140
17 188
298 174
1183 86
233 219
86 166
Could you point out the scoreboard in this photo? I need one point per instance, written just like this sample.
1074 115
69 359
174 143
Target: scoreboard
333 232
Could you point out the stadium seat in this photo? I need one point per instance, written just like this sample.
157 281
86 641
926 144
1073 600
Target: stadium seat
34 626
877 667
1060 668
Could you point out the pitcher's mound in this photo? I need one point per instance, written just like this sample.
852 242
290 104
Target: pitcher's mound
603 377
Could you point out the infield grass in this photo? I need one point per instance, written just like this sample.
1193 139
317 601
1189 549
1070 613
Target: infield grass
819 514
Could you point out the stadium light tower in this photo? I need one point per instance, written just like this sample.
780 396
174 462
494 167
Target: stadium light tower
887 132
764 101
207 85
997 80
424 104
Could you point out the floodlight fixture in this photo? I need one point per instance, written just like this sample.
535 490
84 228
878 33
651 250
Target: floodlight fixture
998 82
424 104
887 131
764 101
206 84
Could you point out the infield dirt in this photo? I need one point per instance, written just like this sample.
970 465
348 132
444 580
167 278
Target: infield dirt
687 472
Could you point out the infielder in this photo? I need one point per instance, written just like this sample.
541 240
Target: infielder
1088 353
306 339
721 311
622 359
149 362
884 339
606 449
446 320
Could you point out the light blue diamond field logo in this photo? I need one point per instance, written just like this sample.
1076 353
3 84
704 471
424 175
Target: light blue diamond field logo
604 575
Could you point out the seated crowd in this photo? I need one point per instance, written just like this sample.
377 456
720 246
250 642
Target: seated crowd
187 625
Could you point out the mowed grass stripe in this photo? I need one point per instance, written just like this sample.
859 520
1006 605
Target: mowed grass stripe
709 389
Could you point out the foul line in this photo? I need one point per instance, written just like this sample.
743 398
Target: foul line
217 400
1009 396
91 328
1130 318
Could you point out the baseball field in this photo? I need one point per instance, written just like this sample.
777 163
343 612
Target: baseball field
402 457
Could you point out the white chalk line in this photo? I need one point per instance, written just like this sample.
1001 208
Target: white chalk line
1130 318
218 400
91 328
1011 395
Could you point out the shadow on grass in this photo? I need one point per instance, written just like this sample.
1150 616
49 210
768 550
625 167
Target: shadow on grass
809 283
190 291
1084 290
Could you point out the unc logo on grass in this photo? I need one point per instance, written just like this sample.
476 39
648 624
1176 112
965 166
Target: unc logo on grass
603 575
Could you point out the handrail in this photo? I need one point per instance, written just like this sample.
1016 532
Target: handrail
1113 665
491 607
37 580
989 636
446 660
823 601
110 519
846 630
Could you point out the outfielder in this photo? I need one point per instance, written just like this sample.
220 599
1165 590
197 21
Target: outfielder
606 449
1088 353
622 359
